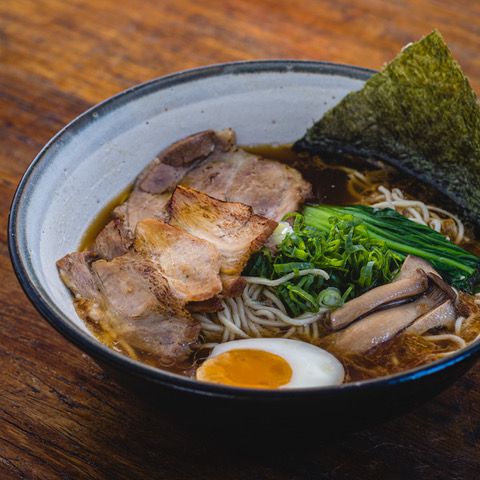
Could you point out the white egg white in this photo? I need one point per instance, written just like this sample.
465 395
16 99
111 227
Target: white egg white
311 366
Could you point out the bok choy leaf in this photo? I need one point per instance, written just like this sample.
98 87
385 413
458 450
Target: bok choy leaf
457 266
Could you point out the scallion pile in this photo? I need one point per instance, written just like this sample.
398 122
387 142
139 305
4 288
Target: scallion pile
354 261
360 248
404 237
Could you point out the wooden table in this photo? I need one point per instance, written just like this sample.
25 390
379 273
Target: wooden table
60 415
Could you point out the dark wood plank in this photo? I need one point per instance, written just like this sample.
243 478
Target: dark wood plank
60 415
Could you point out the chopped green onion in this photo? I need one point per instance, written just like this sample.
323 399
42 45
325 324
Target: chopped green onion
354 261
403 237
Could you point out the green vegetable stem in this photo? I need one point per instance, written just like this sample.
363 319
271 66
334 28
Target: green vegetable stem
403 237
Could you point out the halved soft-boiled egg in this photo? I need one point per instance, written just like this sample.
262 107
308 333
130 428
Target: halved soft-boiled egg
271 363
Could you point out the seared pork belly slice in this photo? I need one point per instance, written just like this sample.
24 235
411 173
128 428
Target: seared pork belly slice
271 188
74 269
142 205
130 284
168 168
142 309
211 305
402 289
114 240
154 186
117 236
129 299
231 227
191 265
208 161
442 316
383 325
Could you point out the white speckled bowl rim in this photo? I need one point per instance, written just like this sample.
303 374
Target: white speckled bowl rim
99 153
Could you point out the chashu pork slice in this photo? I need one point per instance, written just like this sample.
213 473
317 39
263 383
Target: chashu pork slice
154 186
131 301
75 273
231 227
150 318
142 205
271 188
191 265
113 240
165 172
381 326
117 236
207 161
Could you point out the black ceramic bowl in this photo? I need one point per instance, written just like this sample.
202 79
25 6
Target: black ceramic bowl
98 154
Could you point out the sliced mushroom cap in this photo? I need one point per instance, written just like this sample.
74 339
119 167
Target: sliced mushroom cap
442 316
411 264
442 285
408 287
385 324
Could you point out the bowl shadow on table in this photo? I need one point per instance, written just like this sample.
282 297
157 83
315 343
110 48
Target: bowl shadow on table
194 441
267 423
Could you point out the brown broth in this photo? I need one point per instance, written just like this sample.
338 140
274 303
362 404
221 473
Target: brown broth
403 352
101 219
331 185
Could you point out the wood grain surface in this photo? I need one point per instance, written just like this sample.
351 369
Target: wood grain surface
60 415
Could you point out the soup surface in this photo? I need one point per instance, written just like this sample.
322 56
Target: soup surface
284 291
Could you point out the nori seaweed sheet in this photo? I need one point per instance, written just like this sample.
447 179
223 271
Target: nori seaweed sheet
419 114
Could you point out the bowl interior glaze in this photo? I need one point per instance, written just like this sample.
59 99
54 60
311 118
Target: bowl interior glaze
93 160
100 153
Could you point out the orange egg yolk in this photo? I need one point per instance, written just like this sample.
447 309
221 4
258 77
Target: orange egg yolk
246 368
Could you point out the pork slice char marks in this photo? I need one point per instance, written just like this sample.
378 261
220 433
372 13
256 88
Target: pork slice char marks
150 318
130 299
190 265
75 273
271 188
168 168
231 227
208 161
154 186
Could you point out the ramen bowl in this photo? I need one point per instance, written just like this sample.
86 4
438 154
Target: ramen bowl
97 155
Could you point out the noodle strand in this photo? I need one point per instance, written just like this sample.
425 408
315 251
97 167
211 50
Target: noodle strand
259 312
